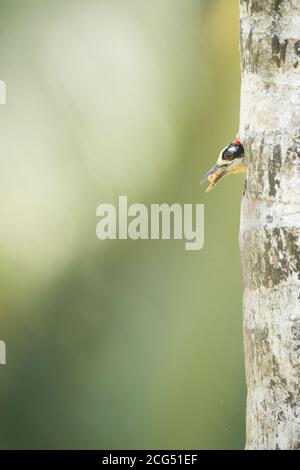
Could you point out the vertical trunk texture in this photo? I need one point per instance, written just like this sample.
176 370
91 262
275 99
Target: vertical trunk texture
270 220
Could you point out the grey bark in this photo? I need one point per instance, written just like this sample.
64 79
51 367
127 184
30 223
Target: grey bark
270 220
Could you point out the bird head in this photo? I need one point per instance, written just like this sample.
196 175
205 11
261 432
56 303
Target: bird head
230 160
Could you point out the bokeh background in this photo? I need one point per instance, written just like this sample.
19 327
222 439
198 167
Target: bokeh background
118 344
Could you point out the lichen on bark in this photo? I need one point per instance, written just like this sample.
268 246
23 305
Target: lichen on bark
270 220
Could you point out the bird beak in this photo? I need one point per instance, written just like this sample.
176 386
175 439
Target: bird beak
217 170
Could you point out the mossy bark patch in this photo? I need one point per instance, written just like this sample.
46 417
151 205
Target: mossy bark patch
273 257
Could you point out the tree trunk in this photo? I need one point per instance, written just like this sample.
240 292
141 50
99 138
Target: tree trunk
270 220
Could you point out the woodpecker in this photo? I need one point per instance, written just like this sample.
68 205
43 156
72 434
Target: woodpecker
231 160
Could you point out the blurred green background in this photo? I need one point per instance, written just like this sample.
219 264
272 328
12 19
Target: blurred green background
118 344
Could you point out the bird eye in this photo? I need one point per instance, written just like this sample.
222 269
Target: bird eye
232 152
228 154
